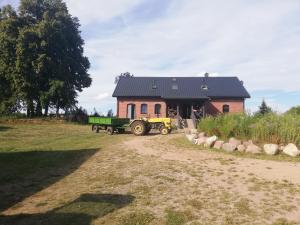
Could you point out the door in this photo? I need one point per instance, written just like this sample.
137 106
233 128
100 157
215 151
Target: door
186 110
131 111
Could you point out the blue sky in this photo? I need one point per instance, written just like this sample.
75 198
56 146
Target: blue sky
258 41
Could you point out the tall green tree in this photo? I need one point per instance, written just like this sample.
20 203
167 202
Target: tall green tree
50 68
264 108
9 24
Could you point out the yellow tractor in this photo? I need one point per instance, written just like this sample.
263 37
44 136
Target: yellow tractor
140 127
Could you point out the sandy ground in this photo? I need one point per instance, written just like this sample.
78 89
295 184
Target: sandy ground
211 187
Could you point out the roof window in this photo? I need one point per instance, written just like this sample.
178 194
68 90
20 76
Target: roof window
154 86
204 87
174 86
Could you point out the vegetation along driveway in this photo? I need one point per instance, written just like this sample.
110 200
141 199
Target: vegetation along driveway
64 174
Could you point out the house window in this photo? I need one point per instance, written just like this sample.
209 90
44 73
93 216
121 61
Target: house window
225 108
157 109
144 109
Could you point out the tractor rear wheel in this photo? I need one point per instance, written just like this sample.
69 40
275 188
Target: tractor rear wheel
138 128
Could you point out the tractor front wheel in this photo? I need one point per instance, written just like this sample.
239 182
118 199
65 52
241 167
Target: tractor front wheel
138 128
164 130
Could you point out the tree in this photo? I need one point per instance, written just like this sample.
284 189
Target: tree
264 109
9 24
49 66
110 113
124 75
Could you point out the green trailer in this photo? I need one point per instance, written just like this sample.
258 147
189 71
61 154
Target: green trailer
109 124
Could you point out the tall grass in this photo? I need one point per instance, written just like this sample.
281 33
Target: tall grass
272 127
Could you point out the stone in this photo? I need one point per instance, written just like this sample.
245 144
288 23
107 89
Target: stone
254 149
191 137
210 141
247 143
229 147
200 141
271 149
194 131
201 134
291 150
241 148
218 144
234 141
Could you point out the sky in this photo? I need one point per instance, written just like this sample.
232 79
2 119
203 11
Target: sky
257 41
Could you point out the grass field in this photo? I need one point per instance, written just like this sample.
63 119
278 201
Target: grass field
53 173
35 156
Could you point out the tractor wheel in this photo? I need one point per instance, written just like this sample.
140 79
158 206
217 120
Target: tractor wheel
121 130
164 130
95 129
138 128
110 130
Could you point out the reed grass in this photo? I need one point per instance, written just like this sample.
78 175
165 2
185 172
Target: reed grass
272 127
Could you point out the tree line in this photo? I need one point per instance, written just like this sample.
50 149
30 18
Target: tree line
42 65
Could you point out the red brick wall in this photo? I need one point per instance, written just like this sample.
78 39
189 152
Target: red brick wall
215 106
124 102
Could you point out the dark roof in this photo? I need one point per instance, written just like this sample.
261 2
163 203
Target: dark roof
180 87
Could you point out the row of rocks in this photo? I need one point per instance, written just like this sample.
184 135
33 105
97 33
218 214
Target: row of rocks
234 144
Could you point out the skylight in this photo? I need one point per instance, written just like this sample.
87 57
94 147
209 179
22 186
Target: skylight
204 87
174 86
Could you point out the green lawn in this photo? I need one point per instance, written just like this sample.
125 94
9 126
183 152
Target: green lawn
35 156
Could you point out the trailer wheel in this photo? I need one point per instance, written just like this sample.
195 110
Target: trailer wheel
164 130
138 128
110 130
95 128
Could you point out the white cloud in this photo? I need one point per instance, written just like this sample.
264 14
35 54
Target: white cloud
102 96
95 11
256 41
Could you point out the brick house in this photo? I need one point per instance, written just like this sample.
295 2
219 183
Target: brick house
179 96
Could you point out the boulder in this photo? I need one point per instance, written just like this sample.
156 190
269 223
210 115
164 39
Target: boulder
191 137
254 149
241 148
202 134
234 141
209 142
291 150
247 143
229 147
194 131
218 144
271 149
200 141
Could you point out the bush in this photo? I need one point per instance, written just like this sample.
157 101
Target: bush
270 127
